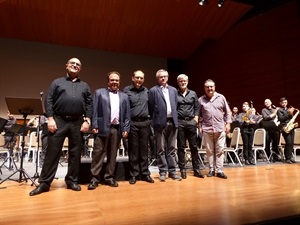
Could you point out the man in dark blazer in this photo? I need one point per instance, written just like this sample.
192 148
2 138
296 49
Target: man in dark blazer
163 112
111 121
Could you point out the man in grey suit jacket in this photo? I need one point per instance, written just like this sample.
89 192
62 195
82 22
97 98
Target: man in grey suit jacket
111 121
163 112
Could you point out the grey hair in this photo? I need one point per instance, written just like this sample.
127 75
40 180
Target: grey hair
182 76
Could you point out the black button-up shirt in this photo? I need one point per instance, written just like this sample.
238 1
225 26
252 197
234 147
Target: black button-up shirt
69 98
188 105
138 101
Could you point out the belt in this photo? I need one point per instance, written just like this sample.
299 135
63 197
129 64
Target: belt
139 119
71 118
116 126
186 118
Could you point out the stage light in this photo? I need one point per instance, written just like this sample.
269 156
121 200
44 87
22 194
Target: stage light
202 2
220 4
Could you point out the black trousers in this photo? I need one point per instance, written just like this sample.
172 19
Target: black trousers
187 130
65 128
247 136
272 137
105 147
138 148
289 144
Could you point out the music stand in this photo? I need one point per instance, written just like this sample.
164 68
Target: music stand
2 123
15 129
25 107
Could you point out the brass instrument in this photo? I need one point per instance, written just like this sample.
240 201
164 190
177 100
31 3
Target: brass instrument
246 116
291 124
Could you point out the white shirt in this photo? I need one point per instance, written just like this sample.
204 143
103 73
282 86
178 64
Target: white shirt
114 107
165 91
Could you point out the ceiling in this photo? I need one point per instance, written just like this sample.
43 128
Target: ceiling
162 28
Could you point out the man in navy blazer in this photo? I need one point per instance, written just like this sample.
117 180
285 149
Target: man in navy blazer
163 112
111 121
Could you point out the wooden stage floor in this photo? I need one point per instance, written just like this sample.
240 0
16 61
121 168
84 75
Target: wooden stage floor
250 195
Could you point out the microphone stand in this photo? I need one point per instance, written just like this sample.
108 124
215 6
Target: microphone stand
36 175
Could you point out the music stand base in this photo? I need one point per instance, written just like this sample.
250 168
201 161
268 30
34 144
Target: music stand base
23 176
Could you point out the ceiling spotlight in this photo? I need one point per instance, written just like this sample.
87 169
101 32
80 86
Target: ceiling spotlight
220 4
202 2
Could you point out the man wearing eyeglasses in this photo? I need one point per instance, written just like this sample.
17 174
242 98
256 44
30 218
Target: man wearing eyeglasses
68 107
214 123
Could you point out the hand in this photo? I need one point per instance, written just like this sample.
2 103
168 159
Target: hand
95 131
125 134
85 127
52 125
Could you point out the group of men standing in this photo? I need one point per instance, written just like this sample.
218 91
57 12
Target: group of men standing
113 114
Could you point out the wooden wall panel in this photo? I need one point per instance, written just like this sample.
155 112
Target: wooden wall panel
257 59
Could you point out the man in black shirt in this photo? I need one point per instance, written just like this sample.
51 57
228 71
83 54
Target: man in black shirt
69 109
269 114
188 113
285 114
139 129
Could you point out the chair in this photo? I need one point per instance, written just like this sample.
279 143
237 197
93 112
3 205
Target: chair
296 142
90 146
202 151
121 154
234 146
259 144
281 146
32 145
4 151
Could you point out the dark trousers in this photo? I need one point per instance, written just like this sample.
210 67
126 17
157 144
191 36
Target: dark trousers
272 137
247 136
165 145
65 128
289 144
187 130
105 146
138 148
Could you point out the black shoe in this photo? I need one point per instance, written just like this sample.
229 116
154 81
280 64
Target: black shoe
92 185
147 179
293 161
247 162
175 177
111 183
73 186
132 180
211 174
222 175
288 161
183 174
251 162
197 173
39 189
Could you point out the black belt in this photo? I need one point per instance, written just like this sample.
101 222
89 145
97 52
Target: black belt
139 119
186 118
71 118
116 126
